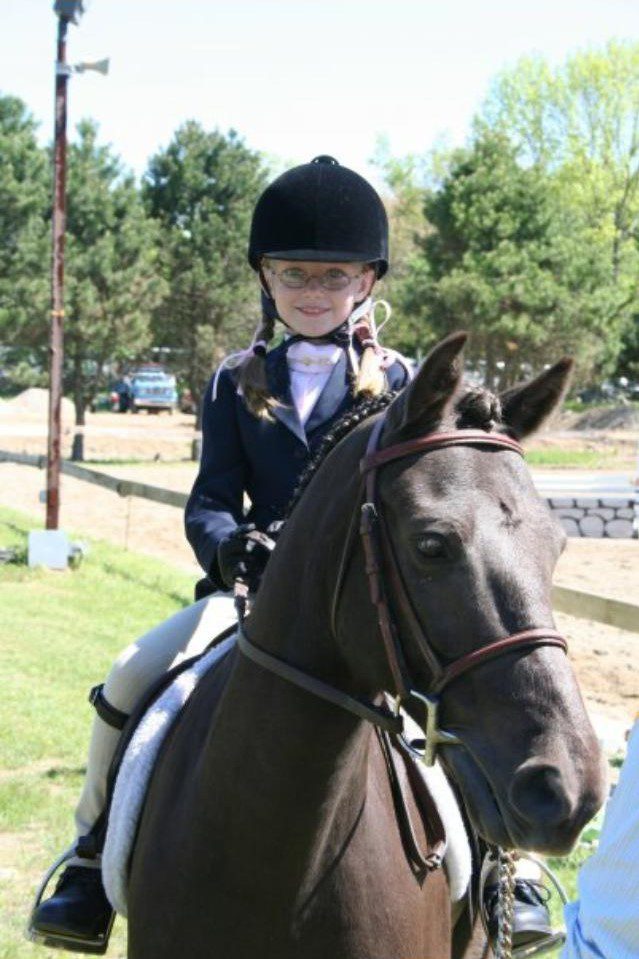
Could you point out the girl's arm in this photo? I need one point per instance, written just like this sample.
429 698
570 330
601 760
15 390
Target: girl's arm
216 505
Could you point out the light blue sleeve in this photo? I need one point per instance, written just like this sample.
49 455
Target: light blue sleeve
604 922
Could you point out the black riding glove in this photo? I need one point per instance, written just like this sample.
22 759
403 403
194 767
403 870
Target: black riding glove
244 555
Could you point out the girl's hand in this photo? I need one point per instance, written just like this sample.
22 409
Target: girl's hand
244 555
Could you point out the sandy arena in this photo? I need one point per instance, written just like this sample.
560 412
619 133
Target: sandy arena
605 657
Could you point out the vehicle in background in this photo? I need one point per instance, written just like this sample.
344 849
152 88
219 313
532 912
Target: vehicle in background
620 391
152 389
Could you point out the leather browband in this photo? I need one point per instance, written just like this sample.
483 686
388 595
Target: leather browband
437 441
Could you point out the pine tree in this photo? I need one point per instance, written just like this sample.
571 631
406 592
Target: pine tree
201 190
112 280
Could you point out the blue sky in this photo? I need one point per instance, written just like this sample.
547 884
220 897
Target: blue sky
293 78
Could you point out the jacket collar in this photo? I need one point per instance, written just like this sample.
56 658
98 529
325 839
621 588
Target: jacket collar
279 383
332 396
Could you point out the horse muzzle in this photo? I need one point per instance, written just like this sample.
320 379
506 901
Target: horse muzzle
552 804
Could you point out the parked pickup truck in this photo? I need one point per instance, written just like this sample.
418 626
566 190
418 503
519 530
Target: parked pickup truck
152 388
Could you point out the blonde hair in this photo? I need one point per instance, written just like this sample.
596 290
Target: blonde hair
252 380
370 379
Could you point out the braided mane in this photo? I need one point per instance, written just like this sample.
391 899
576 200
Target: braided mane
361 411
474 408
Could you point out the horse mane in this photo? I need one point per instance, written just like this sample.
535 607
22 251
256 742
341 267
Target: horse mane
360 412
475 408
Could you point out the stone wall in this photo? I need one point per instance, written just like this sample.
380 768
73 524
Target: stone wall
597 518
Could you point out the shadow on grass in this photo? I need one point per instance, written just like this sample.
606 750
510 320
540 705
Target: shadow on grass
17 530
151 586
65 772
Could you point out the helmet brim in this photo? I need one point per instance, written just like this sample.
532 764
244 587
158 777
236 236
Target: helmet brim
329 256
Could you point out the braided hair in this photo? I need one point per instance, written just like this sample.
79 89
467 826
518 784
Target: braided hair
252 371
368 379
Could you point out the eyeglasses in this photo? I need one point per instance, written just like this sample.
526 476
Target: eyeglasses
295 279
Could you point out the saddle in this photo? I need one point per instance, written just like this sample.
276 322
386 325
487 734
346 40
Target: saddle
91 845
412 787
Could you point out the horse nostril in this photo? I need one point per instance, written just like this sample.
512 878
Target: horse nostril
539 794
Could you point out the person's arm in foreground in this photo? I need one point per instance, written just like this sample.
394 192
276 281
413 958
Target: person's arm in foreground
604 922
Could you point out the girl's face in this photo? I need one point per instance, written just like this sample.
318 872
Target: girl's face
309 306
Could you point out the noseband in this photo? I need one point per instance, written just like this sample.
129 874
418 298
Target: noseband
380 562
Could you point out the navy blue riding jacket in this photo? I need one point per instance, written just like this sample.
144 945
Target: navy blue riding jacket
246 454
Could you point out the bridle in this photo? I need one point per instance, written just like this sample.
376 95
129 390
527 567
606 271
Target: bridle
380 562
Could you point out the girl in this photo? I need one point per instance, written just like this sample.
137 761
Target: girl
318 243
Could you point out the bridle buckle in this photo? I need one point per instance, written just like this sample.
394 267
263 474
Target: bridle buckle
433 735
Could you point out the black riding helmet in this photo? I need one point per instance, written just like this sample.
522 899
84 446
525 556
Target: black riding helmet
320 211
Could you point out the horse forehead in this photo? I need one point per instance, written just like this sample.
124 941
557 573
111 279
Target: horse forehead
452 473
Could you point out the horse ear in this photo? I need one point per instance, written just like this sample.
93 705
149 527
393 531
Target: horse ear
419 406
524 408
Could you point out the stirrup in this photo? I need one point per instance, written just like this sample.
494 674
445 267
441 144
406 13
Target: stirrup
556 938
58 940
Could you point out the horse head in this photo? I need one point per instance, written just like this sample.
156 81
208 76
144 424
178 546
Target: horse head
473 548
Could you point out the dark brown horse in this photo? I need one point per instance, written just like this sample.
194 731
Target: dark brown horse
270 830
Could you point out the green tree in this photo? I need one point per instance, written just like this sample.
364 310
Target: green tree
112 282
580 124
404 197
500 262
24 251
201 190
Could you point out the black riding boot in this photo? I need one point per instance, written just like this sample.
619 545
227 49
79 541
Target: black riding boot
531 918
78 916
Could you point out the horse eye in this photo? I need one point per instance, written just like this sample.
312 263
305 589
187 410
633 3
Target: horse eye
431 546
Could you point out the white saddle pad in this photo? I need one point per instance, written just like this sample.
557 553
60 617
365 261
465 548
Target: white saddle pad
135 771
139 759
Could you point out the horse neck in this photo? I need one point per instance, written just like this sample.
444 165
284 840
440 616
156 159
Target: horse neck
291 620
292 615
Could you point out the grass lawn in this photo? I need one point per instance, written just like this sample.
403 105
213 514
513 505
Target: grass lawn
579 459
59 632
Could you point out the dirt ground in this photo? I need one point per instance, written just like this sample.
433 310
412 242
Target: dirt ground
604 657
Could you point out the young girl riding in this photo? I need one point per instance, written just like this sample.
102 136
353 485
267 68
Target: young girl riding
318 243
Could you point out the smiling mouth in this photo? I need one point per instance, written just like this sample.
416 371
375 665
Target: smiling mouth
312 310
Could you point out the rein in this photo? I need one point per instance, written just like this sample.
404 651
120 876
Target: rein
377 715
380 560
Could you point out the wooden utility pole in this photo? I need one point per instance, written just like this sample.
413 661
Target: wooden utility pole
56 342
